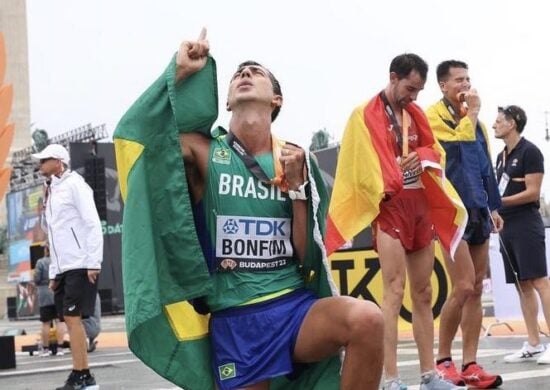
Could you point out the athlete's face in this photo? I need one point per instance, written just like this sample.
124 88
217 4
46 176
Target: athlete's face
405 90
252 83
457 81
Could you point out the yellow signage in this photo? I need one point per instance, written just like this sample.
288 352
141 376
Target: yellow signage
357 273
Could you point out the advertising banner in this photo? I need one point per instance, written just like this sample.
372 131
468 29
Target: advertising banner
24 229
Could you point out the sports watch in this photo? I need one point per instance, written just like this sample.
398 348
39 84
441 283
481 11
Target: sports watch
299 194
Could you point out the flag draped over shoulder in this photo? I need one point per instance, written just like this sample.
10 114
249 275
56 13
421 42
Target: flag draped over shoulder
163 264
443 127
446 130
367 172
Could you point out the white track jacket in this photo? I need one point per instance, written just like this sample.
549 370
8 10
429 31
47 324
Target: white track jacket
73 225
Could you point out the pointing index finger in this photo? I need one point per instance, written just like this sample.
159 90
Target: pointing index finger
202 35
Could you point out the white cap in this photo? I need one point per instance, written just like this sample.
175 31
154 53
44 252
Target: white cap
54 151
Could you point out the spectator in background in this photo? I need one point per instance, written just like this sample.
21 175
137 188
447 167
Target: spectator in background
92 325
520 170
76 239
48 312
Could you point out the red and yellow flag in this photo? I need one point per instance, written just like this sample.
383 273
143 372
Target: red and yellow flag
368 171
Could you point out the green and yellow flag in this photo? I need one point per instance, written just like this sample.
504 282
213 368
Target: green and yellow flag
163 264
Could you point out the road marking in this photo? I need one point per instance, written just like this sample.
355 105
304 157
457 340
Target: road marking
168 388
457 352
26 359
65 368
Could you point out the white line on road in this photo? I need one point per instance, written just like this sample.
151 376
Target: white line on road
458 352
28 360
64 368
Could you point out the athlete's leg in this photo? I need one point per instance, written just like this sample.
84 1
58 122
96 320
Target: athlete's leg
356 325
462 274
393 265
419 268
472 314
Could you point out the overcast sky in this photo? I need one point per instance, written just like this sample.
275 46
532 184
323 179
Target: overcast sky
89 60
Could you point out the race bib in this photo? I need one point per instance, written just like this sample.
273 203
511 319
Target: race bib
252 244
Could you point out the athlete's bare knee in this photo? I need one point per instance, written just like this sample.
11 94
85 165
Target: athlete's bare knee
478 290
462 290
422 295
365 320
394 292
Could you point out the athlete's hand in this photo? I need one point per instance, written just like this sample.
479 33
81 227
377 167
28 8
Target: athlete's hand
473 101
192 56
293 161
411 162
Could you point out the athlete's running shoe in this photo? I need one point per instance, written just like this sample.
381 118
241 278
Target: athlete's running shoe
447 370
433 381
476 376
394 384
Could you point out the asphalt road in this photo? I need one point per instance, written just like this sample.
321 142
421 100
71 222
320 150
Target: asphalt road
117 368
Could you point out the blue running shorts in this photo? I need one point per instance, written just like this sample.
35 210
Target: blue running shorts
255 342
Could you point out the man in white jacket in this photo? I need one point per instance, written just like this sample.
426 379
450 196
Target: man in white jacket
76 250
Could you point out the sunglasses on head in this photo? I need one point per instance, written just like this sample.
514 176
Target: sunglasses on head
511 112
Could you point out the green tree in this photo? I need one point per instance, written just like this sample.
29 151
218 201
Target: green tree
40 138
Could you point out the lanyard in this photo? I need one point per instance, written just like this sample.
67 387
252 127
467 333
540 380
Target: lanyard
504 156
253 166
395 126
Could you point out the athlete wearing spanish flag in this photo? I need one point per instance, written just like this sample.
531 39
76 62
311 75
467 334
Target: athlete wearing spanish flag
388 174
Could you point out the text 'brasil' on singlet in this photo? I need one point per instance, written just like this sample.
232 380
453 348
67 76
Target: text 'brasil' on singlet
249 224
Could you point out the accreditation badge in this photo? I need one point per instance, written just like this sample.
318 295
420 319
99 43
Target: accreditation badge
504 180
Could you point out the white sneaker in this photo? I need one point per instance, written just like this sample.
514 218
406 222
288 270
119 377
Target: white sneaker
527 353
45 353
433 381
545 357
60 351
394 384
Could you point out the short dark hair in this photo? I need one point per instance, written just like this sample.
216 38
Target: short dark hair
404 64
276 86
516 114
444 68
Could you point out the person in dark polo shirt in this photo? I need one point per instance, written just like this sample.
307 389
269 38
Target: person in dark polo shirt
520 170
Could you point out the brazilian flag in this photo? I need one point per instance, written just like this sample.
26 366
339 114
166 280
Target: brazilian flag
163 264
